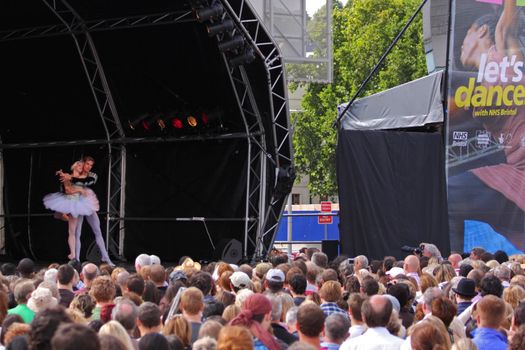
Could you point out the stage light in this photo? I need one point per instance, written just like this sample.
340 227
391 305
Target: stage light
232 44
218 28
161 124
192 121
248 56
204 118
177 123
207 13
133 124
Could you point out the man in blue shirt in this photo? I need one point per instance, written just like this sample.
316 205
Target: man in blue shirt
491 312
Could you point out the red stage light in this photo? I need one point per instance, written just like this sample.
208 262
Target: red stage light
177 123
204 118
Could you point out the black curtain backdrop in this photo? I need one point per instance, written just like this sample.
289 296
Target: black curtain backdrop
392 192
184 180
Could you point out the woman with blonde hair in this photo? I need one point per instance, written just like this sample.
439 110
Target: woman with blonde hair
180 327
230 312
444 273
235 338
513 295
115 329
464 344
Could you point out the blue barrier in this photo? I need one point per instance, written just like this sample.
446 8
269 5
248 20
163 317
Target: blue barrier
306 228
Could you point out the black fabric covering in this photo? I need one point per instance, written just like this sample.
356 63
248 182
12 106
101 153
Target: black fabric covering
391 191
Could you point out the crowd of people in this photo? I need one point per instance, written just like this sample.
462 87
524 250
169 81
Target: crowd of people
300 302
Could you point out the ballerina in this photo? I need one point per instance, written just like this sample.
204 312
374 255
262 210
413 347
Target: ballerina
73 201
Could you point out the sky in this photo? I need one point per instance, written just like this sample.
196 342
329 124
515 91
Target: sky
313 5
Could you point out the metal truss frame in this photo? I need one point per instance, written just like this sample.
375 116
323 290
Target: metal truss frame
269 10
115 199
80 27
278 147
255 176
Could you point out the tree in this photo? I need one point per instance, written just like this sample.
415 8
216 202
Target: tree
362 30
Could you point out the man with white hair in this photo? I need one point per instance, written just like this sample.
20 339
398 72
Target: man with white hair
431 251
141 261
503 273
154 260
360 262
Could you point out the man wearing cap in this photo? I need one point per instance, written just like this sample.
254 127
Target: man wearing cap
274 281
465 291
239 280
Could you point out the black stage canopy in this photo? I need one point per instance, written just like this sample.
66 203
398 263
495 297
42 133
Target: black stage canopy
391 171
119 80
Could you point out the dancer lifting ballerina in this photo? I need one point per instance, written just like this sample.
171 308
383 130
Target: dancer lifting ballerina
73 202
85 179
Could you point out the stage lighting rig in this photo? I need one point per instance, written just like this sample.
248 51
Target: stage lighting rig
246 56
220 27
214 12
234 43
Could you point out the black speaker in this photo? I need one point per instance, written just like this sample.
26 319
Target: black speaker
229 250
331 248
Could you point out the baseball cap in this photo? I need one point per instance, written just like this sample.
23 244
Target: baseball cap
275 275
240 280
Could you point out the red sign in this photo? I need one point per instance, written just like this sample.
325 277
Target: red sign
326 207
324 219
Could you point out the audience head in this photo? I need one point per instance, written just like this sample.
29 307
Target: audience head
148 318
336 328
490 312
376 311
310 320
234 338
74 336
26 268
428 335
126 313
330 291
153 341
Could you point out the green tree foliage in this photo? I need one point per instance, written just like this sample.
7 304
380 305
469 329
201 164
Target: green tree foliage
362 30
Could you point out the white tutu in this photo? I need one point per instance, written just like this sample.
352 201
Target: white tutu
73 204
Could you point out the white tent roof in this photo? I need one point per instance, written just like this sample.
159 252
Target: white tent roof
412 104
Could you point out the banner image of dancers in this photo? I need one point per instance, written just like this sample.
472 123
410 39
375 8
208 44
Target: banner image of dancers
76 202
486 126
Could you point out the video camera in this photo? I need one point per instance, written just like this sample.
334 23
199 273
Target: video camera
414 250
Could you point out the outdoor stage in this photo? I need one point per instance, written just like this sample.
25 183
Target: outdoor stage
183 106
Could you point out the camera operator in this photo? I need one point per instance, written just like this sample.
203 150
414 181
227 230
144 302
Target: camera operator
431 251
